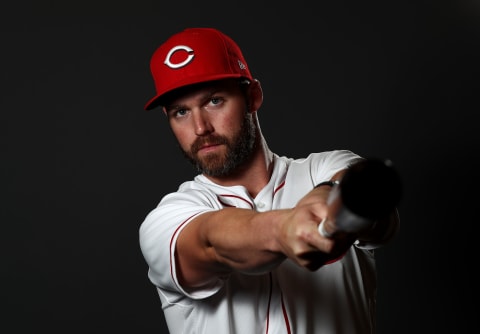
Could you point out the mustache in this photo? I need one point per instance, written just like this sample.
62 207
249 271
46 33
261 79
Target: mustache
210 140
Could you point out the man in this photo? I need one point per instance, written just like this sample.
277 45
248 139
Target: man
238 248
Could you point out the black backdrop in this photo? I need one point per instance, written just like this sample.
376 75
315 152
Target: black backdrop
82 163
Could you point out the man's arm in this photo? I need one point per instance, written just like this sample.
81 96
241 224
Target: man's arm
218 242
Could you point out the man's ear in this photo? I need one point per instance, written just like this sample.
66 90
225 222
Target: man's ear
256 95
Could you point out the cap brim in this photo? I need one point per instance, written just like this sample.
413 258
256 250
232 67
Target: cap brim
157 99
153 103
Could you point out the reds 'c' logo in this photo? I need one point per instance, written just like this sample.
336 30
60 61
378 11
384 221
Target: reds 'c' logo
170 64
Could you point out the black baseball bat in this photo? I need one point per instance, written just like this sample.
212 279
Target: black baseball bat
369 190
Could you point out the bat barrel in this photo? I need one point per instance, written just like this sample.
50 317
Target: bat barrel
371 188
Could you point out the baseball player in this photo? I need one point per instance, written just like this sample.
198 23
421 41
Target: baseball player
251 244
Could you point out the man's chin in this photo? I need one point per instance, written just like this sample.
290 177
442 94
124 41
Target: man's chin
213 169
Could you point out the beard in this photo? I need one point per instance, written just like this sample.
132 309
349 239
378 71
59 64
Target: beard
239 149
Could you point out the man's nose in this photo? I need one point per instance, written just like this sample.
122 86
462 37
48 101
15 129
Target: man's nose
201 123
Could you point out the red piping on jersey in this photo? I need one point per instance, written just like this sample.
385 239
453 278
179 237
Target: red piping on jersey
171 248
234 196
337 258
285 315
224 204
280 186
269 301
284 310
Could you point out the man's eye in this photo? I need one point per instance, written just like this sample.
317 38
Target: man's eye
180 112
215 100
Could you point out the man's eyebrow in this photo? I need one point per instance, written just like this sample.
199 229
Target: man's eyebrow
170 106
205 96
169 109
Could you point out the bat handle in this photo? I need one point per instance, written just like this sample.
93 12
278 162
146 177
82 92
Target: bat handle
340 218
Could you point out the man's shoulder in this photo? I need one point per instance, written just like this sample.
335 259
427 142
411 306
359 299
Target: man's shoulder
321 156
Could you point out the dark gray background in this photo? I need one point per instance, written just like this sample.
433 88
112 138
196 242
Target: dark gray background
82 163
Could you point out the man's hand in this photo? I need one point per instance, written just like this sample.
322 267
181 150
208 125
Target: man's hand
299 238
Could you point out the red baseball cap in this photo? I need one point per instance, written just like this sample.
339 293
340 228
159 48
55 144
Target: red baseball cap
192 56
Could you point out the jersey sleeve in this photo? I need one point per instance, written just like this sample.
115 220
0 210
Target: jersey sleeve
159 232
327 164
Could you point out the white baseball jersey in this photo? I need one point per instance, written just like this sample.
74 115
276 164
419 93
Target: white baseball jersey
338 298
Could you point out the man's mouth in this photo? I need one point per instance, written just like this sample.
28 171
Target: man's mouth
207 144
208 147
